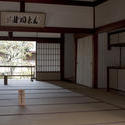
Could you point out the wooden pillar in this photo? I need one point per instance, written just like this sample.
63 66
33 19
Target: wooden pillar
75 60
5 80
95 59
95 55
62 56
108 79
10 34
22 6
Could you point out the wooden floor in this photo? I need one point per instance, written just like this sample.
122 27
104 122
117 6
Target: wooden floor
49 104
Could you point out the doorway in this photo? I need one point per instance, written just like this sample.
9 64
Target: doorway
17 59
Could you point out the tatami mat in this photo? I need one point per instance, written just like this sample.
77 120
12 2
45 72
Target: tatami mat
87 118
48 104
50 101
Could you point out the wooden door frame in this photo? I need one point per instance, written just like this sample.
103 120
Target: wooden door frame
95 58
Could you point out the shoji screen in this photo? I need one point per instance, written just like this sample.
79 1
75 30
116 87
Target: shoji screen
48 60
85 61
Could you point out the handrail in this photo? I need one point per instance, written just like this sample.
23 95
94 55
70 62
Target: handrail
18 66
32 71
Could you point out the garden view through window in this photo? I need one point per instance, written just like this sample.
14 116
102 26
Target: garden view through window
17 59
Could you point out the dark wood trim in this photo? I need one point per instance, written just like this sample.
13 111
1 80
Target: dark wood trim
48 29
118 31
76 45
48 40
56 40
62 2
48 72
95 59
36 62
120 57
94 18
108 42
59 2
22 6
108 79
98 2
62 56
80 35
10 35
111 26
17 66
95 51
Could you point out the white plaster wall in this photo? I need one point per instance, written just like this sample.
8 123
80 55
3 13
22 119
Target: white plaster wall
3 33
9 6
69 57
109 12
105 58
73 16
36 34
64 16
85 61
56 15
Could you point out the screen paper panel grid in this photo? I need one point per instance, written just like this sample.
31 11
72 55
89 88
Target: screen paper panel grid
48 57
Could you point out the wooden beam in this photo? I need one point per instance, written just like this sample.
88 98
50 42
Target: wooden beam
76 49
80 35
98 2
111 26
63 2
56 40
48 29
59 2
95 53
22 6
95 60
62 56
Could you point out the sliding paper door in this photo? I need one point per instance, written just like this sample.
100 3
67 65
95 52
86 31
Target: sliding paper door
48 61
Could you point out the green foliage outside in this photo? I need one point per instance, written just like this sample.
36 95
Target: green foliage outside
16 53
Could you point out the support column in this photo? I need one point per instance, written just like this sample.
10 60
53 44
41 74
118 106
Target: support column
95 59
5 80
62 56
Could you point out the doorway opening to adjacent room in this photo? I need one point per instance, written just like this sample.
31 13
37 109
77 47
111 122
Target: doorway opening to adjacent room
17 59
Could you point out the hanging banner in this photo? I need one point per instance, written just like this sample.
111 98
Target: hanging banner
20 19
